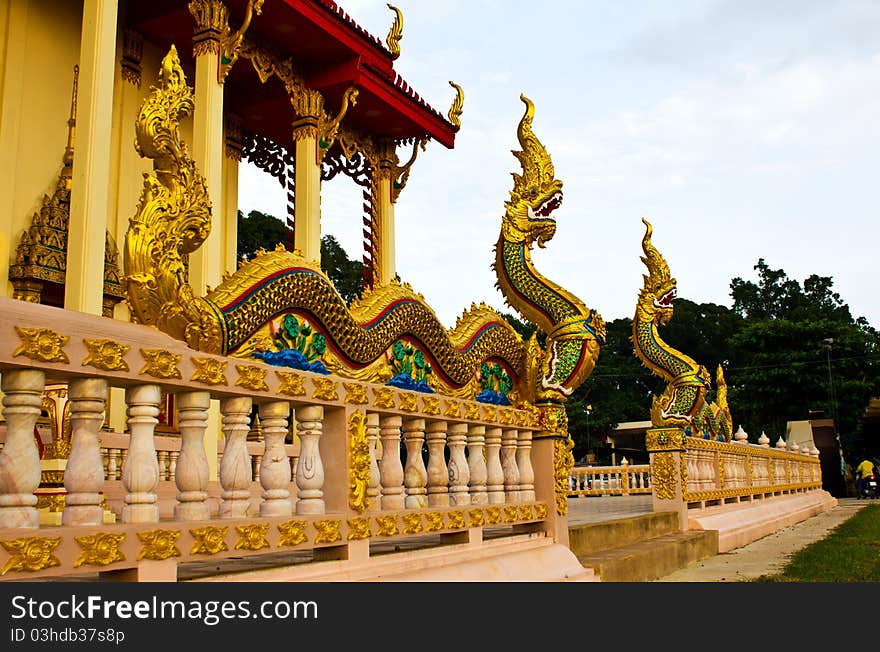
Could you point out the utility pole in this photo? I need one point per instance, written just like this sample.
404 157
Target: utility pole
827 342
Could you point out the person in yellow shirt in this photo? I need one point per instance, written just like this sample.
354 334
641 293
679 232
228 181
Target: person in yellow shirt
863 472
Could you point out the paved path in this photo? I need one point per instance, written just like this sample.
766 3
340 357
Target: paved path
769 554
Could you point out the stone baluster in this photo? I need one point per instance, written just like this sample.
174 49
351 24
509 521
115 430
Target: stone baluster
476 444
256 463
110 473
708 474
494 470
459 474
524 463
274 469
235 466
84 474
20 459
192 475
508 465
690 464
438 474
310 469
390 468
173 456
140 470
372 439
415 476
162 457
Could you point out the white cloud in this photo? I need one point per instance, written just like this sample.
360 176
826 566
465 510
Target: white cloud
741 129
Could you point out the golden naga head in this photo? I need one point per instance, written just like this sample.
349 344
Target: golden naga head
659 289
536 192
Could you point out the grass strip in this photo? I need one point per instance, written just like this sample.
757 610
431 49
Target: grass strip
850 553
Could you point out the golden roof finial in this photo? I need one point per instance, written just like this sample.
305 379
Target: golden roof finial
395 33
454 114
67 159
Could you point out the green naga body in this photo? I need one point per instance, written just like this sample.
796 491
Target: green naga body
574 332
683 402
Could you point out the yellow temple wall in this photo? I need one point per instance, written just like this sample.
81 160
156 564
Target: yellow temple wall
41 40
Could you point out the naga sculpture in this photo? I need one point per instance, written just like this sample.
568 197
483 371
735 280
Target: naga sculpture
574 332
683 403
280 293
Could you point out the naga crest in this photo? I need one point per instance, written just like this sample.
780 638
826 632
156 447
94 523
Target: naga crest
536 192
659 289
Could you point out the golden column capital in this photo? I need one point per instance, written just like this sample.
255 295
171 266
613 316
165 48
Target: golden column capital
132 54
212 23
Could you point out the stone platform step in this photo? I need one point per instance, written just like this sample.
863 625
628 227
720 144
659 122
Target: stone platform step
640 548
520 558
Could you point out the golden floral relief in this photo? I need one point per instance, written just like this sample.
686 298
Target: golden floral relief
42 344
293 533
252 537
210 371
291 384
99 549
106 354
160 363
209 540
30 554
252 377
158 544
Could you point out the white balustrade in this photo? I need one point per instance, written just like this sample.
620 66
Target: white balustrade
508 465
235 465
140 468
494 470
19 459
415 476
192 477
84 473
391 468
476 443
274 469
310 468
438 474
459 473
524 463
372 439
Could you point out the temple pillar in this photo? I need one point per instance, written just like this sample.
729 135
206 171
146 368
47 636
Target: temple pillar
84 287
125 157
307 200
211 18
230 192
385 268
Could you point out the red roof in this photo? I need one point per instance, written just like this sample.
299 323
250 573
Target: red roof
328 48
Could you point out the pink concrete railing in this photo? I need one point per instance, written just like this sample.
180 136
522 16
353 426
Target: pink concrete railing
332 494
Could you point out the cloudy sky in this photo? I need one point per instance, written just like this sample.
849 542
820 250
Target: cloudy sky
741 129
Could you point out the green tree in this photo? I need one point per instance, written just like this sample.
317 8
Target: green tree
618 390
262 231
779 367
347 275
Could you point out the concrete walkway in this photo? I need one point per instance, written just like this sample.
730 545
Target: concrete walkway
769 554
